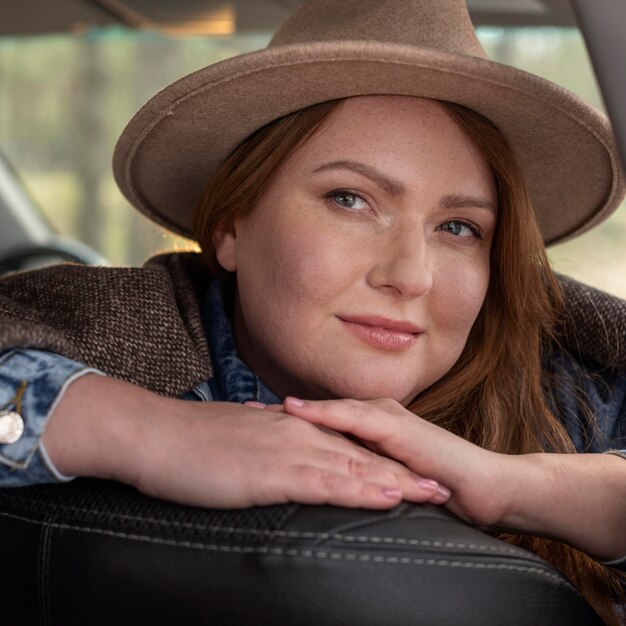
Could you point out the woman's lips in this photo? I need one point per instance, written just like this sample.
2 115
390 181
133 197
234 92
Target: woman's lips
382 332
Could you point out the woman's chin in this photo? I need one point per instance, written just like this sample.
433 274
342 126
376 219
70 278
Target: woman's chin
375 389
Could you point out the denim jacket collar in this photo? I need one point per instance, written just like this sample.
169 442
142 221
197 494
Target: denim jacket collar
233 380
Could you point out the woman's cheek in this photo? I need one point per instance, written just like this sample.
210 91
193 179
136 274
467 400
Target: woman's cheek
317 264
462 290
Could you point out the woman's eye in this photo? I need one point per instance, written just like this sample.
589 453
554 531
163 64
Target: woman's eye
347 200
459 229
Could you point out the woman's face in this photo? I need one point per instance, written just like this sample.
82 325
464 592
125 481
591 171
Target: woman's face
364 265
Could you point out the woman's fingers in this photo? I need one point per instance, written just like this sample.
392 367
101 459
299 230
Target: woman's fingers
306 463
361 462
427 449
378 470
363 419
360 418
310 484
326 487
383 425
254 455
334 455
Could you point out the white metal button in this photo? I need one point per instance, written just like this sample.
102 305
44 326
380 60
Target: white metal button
11 426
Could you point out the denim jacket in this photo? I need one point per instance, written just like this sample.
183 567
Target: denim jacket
233 380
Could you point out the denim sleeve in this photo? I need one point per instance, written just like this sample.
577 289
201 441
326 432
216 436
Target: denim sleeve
32 383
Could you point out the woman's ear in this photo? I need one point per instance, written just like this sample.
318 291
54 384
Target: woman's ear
225 244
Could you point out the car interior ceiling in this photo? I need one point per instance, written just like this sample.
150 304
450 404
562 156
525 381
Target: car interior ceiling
209 16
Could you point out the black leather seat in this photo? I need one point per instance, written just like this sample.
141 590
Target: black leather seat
96 552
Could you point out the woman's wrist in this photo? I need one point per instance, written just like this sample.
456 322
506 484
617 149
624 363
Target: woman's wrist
97 428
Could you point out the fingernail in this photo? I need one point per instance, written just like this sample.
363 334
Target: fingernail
443 492
393 493
256 405
294 401
427 484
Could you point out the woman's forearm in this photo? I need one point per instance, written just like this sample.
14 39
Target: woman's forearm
577 498
96 428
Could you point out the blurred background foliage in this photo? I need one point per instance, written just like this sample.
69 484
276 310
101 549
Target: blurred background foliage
64 100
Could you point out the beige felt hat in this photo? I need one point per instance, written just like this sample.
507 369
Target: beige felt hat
340 48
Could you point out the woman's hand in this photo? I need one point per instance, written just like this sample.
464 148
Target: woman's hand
219 454
576 498
470 472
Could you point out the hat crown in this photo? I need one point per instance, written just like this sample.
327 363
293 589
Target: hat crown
440 24
333 49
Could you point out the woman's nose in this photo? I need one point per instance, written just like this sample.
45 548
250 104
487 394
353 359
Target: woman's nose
402 268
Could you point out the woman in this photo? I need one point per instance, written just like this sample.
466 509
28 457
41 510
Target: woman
385 278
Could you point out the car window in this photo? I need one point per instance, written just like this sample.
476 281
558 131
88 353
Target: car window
559 54
65 99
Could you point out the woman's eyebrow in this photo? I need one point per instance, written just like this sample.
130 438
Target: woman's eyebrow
396 188
391 186
461 200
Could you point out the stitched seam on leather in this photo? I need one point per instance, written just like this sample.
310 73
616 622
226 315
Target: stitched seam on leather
293 534
319 554
44 579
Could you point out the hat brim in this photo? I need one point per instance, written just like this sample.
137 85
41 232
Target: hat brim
175 143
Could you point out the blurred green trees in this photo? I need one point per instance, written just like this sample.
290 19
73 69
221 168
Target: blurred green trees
64 100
